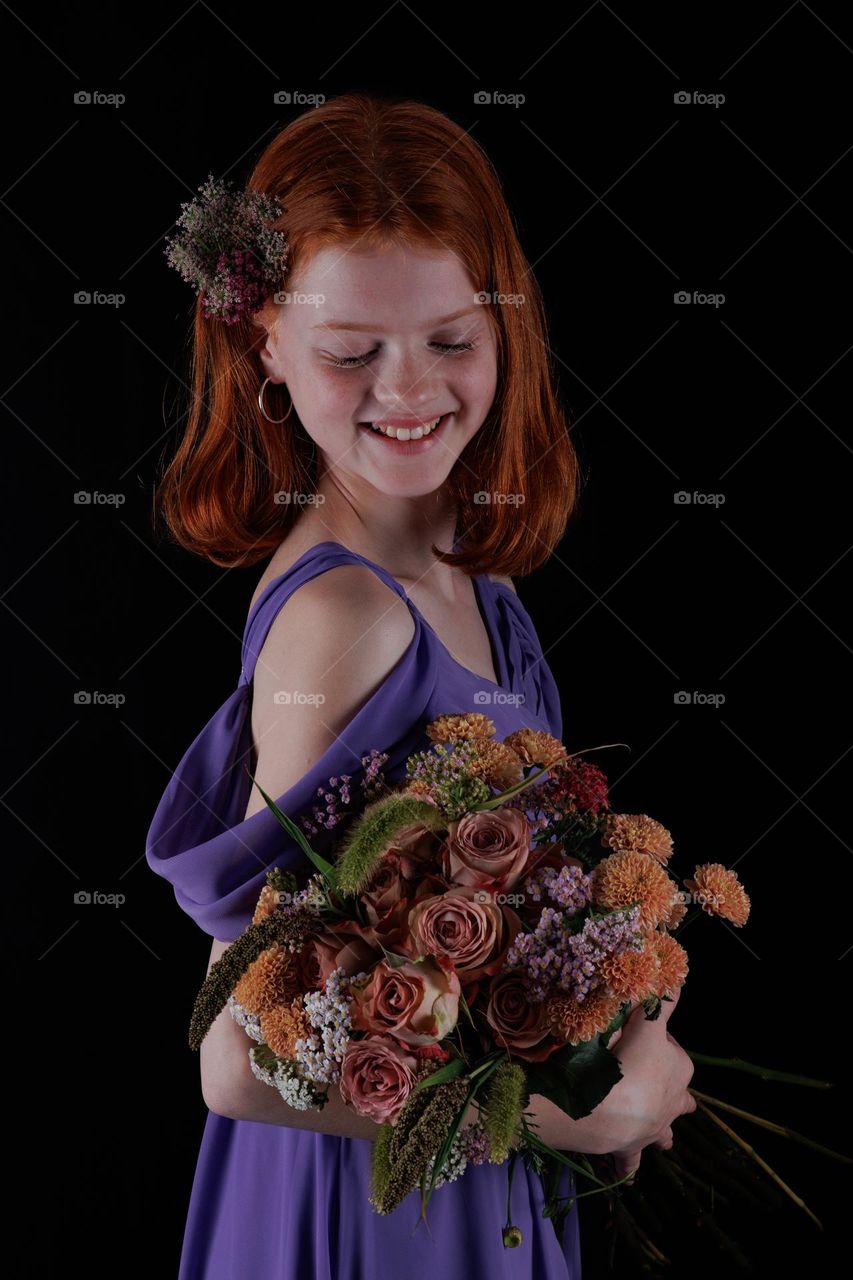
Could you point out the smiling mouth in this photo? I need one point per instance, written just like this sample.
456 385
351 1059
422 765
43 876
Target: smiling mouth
404 434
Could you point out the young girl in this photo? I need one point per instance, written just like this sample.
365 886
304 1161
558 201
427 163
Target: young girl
373 408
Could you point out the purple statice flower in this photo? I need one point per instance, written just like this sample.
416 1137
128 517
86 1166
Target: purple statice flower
570 887
336 802
552 958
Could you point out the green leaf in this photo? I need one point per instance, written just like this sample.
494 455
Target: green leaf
327 868
449 1071
577 1077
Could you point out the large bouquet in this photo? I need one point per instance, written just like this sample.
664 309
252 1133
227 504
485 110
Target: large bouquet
486 927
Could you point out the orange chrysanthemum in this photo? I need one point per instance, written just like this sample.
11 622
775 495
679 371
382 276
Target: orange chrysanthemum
268 981
624 878
677 911
637 833
495 763
632 975
449 728
672 962
534 746
575 1022
267 903
283 1025
719 892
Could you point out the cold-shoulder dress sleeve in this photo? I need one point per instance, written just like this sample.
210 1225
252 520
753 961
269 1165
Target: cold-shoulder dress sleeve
200 839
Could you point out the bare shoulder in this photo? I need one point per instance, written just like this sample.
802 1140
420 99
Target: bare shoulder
501 577
330 647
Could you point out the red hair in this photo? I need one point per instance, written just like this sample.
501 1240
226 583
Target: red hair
383 172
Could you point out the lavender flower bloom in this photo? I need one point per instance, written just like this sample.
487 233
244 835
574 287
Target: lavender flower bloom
552 958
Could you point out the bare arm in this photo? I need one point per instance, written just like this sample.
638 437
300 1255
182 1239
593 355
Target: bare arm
337 639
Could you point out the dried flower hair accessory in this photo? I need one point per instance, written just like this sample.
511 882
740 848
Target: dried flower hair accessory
227 250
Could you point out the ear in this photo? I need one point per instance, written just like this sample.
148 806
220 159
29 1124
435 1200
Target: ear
265 323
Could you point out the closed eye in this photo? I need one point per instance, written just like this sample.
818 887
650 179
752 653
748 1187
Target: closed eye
448 348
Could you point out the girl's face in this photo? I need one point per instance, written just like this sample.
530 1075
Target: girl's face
383 336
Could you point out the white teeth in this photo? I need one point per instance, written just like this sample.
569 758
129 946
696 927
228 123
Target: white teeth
407 433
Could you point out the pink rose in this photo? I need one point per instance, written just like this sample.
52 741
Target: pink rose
418 849
416 1002
466 925
377 1076
516 1021
323 952
489 849
387 886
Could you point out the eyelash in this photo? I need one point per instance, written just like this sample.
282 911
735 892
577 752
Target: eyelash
456 348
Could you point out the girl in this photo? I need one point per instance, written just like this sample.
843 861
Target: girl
373 409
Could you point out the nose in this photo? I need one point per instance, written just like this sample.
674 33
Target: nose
408 382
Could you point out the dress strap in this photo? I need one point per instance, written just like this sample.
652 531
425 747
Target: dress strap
314 561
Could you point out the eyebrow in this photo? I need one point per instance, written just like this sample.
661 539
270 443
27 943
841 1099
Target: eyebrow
354 326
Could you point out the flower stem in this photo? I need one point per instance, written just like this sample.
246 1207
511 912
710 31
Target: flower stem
781 1129
744 1145
766 1073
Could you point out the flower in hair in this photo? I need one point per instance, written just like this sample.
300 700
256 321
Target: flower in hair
227 250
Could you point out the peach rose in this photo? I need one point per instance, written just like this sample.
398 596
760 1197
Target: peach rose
516 1021
377 1076
468 927
417 1001
489 849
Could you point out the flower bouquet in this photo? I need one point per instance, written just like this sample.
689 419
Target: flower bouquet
486 927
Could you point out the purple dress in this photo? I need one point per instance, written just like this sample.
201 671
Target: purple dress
289 1204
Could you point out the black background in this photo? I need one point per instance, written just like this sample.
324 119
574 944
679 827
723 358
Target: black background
622 198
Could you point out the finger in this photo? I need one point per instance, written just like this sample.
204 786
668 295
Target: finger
625 1163
665 1141
668 1006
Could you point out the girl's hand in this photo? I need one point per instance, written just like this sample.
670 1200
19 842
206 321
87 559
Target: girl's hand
657 1072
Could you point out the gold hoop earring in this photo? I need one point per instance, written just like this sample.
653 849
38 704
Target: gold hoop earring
275 421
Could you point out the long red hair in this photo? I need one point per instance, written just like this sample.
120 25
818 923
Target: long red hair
383 172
